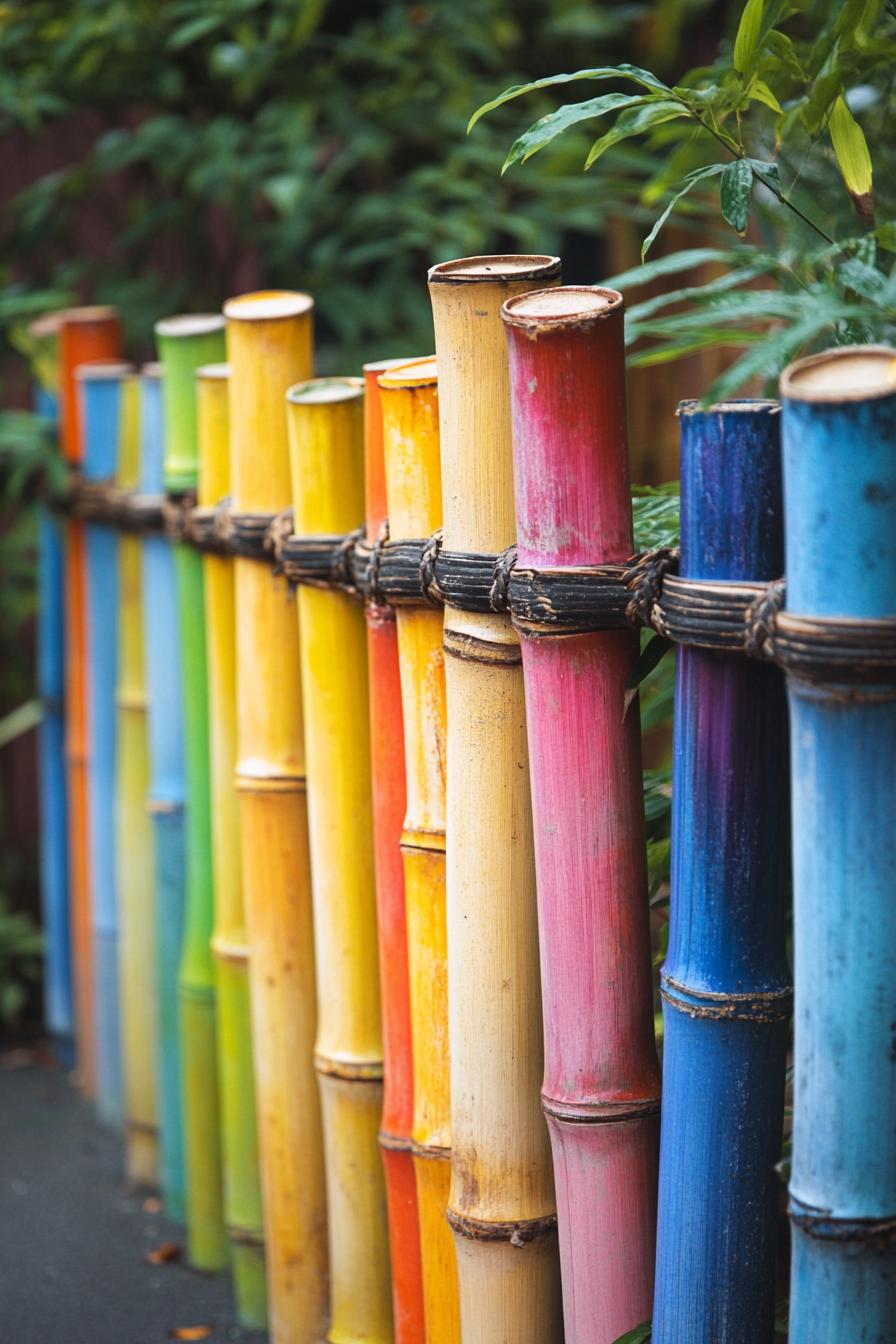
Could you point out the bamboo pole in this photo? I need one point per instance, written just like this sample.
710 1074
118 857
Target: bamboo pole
230 941
137 954
58 1008
184 343
601 1083
84 334
725 982
501 1204
325 418
389 798
414 490
839 439
165 797
100 386
269 344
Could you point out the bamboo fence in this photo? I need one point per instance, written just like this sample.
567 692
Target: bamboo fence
184 344
269 346
409 396
230 940
601 1082
326 438
84 334
501 1204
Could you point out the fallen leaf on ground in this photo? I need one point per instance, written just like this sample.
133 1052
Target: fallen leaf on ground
190 1332
165 1254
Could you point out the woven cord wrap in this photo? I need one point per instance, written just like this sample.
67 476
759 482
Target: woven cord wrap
323 561
211 528
374 566
177 511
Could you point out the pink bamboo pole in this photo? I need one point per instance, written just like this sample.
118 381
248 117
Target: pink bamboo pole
601 1081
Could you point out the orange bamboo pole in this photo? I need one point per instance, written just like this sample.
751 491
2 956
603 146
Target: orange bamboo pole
269 345
85 334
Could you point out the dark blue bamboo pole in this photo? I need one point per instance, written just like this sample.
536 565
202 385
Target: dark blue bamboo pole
725 982
839 425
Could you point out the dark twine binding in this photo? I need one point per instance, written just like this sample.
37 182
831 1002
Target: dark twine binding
177 512
104 502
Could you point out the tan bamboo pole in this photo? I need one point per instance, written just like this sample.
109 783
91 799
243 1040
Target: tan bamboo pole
269 345
326 435
502 1206
410 405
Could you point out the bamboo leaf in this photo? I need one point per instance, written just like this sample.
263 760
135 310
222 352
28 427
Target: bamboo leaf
633 72
20 721
770 356
735 194
640 1335
649 658
685 260
690 181
552 125
749 30
761 93
853 158
643 119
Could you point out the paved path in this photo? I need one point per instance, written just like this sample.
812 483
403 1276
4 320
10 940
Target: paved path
74 1240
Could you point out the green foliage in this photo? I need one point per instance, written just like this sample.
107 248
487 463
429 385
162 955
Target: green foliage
21 951
779 127
640 1335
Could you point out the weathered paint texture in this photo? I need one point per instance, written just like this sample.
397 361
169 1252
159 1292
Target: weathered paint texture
84 334
326 441
411 434
165 798
501 1204
269 346
839 436
601 1081
725 982
389 799
230 941
185 343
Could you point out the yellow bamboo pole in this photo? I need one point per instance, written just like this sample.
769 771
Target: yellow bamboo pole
326 435
501 1207
230 940
410 407
134 845
269 344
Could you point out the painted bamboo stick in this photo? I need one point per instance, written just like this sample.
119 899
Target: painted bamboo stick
84 334
165 798
58 1007
137 957
269 344
325 418
601 1084
725 982
100 387
389 798
501 1204
185 343
414 491
839 438
230 942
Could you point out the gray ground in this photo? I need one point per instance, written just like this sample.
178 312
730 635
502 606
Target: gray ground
74 1240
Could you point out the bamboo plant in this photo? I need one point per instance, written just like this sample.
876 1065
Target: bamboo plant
100 386
184 343
84 334
137 987
165 795
410 404
725 982
839 443
269 346
230 944
601 1082
389 798
501 1206
326 439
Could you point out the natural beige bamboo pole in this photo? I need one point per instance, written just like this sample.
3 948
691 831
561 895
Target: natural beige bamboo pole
269 344
410 406
502 1205
326 434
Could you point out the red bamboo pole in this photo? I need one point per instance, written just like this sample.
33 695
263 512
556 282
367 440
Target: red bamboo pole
389 799
601 1081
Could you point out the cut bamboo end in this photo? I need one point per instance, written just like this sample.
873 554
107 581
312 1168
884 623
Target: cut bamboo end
268 305
565 306
848 373
321 391
414 373
498 269
213 372
102 370
190 324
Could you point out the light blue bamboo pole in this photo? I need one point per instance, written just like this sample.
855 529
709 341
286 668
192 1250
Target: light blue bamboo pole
99 387
58 1011
839 430
725 982
166 791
